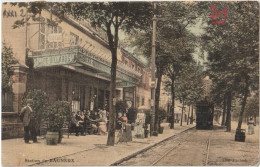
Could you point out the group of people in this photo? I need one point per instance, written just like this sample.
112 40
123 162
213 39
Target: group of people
94 122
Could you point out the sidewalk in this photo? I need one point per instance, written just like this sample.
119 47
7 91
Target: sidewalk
16 153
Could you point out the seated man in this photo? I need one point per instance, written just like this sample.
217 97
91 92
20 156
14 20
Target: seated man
76 125
88 122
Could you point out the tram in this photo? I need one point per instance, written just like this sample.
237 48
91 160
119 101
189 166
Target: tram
204 115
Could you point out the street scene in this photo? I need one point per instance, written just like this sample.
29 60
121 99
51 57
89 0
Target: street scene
130 83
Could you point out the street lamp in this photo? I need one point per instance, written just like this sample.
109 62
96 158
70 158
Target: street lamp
152 128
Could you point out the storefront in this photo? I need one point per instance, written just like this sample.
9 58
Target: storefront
69 61
75 75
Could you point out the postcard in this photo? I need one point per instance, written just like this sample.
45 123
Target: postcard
130 83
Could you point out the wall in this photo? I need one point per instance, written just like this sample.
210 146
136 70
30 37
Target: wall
14 37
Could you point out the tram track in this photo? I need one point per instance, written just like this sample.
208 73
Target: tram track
163 145
159 155
166 153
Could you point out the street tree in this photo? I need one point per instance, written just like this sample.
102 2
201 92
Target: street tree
190 84
252 107
233 51
174 43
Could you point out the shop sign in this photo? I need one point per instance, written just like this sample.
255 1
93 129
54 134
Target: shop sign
53 60
85 59
55 37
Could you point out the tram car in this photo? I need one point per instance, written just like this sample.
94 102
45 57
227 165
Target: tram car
204 115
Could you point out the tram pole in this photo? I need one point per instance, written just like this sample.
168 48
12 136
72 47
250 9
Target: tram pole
153 72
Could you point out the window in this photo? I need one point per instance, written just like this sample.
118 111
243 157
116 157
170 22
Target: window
137 101
53 30
47 29
74 39
7 102
143 101
143 77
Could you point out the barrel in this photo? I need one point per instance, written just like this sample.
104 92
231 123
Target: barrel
240 135
52 138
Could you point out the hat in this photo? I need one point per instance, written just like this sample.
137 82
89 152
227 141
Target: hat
29 100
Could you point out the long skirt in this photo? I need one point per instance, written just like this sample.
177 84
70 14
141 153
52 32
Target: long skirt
102 129
251 129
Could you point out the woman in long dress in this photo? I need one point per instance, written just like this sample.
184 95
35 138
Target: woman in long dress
102 128
251 125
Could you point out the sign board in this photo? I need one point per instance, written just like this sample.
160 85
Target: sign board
54 37
53 60
72 55
124 84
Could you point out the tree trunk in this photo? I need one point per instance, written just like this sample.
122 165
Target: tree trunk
112 101
246 90
224 111
228 121
173 105
188 116
157 99
182 110
113 44
191 118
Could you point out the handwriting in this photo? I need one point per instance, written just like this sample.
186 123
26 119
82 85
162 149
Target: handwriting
215 15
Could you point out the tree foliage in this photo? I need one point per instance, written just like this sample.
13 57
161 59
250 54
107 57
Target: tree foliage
233 49
190 83
7 61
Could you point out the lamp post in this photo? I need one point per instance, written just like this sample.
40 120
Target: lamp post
153 73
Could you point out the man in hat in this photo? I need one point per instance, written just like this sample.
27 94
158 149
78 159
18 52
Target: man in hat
27 115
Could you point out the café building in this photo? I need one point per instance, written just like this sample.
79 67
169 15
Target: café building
69 61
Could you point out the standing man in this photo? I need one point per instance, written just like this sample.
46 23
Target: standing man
27 115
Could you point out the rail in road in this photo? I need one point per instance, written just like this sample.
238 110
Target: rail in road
181 144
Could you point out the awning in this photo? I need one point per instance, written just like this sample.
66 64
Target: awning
77 56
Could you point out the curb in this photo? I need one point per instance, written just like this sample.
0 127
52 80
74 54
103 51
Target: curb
147 148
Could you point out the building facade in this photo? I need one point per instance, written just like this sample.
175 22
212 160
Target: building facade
70 61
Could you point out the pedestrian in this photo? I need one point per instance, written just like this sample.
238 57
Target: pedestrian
102 120
28 117
251 125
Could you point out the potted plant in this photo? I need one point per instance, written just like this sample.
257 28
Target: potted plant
147 121
54 117
161 116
